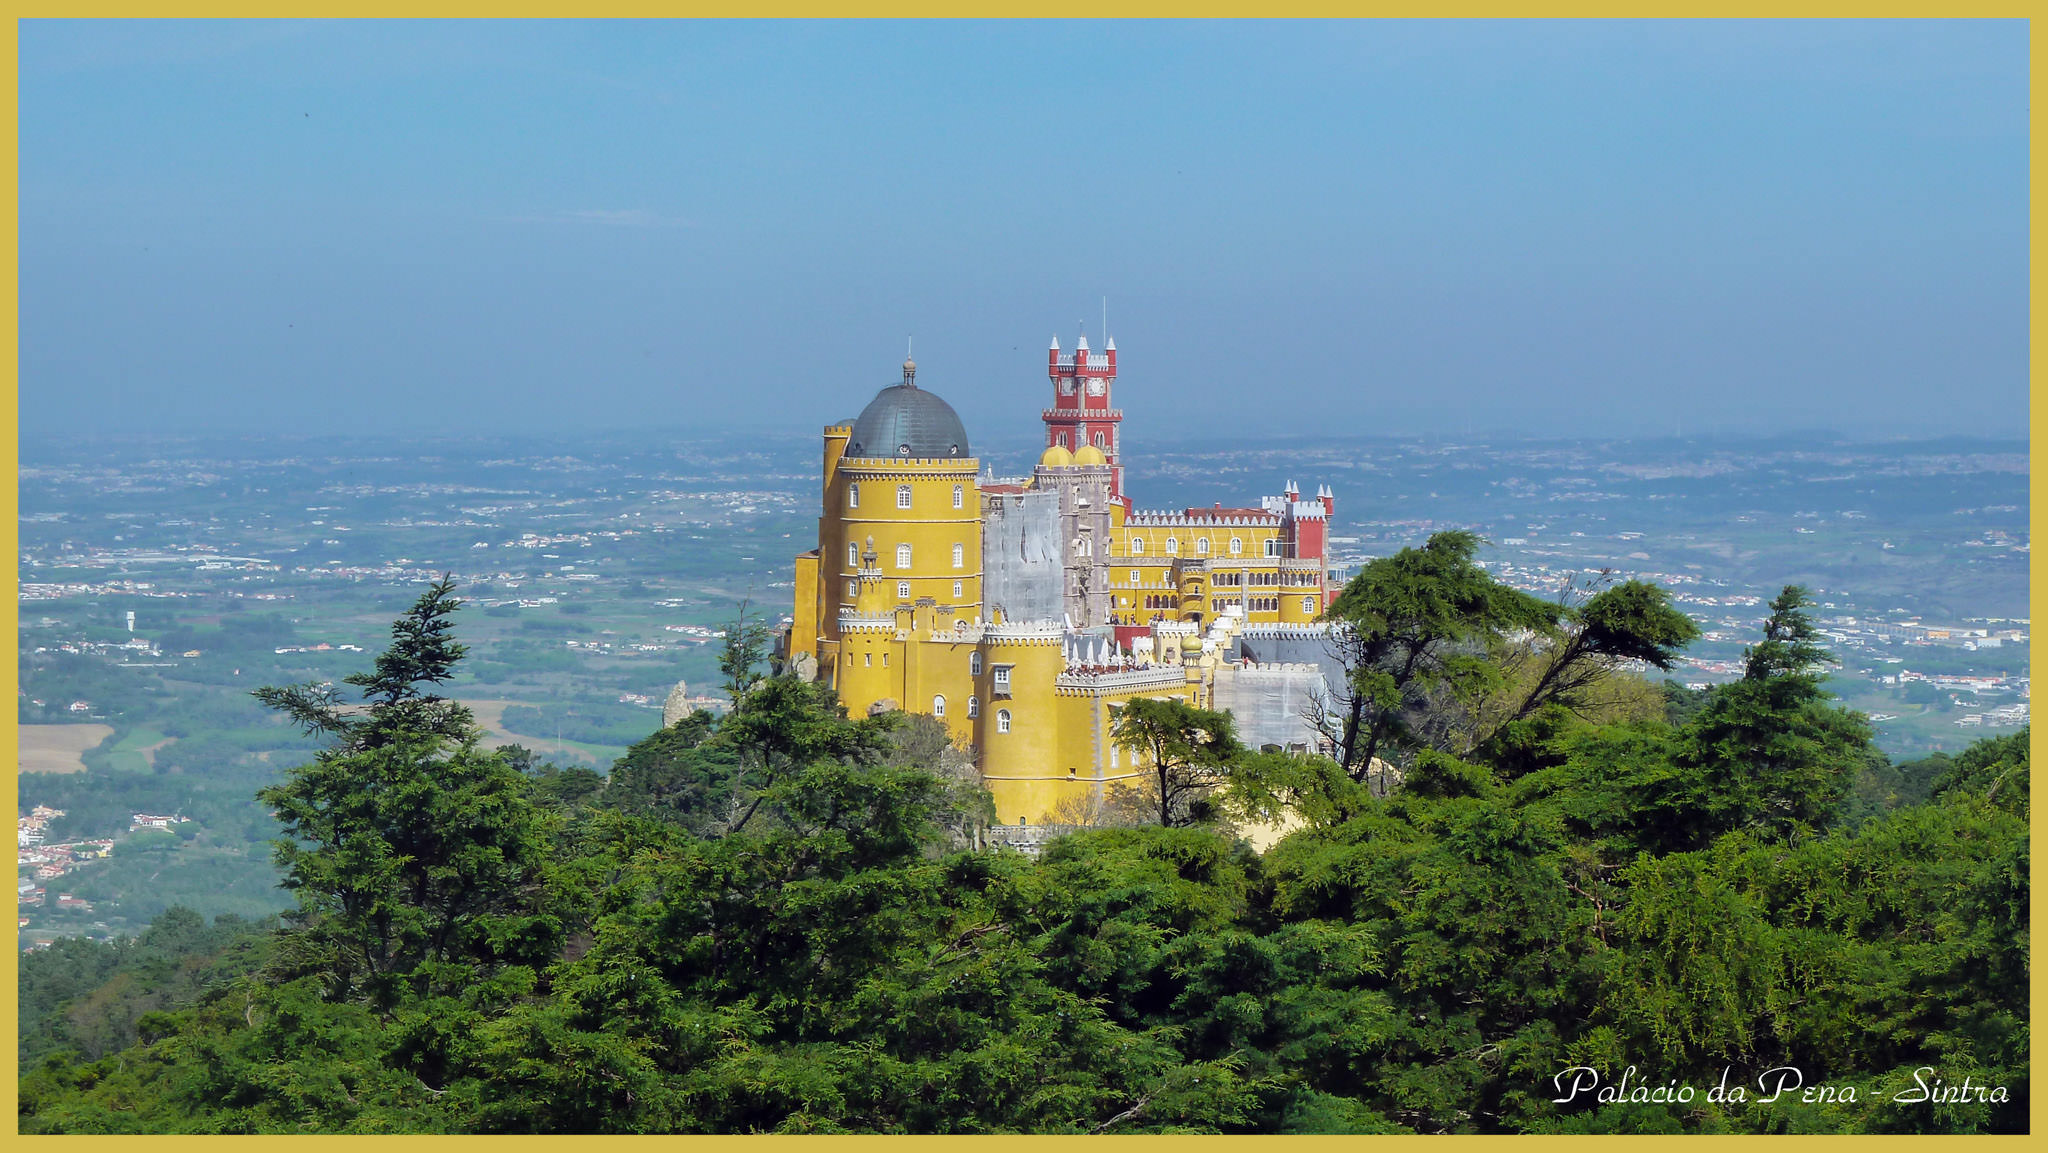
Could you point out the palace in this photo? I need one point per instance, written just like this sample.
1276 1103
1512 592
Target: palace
1023 612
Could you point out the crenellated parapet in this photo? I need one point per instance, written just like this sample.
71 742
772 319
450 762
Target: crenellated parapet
1086 682
1144 518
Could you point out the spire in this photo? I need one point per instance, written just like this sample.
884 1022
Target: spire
1081 345
1109 345
1055 342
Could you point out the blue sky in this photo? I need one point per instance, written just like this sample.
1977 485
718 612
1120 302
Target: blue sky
1613 229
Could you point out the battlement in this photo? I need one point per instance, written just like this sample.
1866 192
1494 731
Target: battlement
1246 518
1090 681
897 465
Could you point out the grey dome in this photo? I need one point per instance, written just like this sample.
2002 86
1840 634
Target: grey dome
906 421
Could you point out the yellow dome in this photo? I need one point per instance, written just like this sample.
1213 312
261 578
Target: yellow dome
1055 457
1191 643
1089 454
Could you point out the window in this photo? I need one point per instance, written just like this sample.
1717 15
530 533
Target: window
902 496
939 707
973 707
973 664
1137 546
1063 440
1308 605
957 590
853 496
1136 577
853 588
1002 720
1236 546
902 556
867 660
902 590
1173 546
959 555
1273 546
1002 680
1202 546
1101 440
959 497
852 555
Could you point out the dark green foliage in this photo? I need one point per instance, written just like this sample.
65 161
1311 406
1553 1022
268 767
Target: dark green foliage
406 845
1769 751
763 924
1188 753
87 997
1418 623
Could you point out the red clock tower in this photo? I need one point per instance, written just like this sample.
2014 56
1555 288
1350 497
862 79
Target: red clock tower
1081 413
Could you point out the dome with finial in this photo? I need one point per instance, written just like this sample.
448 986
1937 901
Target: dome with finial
1055 456
907 421
1087 455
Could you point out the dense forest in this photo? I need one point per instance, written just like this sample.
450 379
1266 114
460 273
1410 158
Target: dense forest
1531 892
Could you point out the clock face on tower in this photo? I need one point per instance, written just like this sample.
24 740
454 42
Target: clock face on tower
1095 386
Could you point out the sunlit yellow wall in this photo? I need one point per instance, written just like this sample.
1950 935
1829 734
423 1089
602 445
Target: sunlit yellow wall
1154 590
803 630
937 675
868 665
1021 767
931 526
1301 580
1137 540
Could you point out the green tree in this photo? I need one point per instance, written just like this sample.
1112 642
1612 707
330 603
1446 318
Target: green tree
1189 751
784 724
405 843
1415 627
1770 751
423 651
743 651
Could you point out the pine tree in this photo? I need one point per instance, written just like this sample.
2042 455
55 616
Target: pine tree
406 843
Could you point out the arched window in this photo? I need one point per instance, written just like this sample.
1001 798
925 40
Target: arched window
959 556
852 555
957 594
1101 440
1236 546
852 589
902 556
902 496
1002 720
973 664
853 496
1137 546
959 497
1063 440
939 707
1173 546
1272 546
1308 605
1201 546
902 590
973 707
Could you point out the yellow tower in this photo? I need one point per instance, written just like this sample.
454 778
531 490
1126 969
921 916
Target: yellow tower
900 537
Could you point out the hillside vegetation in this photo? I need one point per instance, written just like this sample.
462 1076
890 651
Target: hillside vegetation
775 922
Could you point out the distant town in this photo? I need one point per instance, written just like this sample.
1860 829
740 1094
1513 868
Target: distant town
162 580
